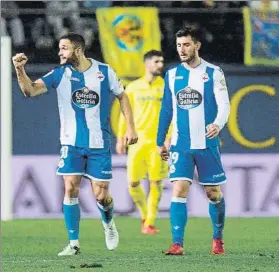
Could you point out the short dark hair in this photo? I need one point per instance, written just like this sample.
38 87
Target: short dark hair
76 39
193 31
152 53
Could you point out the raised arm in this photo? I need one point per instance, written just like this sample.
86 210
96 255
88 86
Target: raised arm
27 86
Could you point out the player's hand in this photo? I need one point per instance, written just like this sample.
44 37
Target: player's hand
120 147
163 152
19 60
131 137
212 131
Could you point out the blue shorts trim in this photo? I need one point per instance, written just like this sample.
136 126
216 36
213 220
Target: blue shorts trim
97 179
69 174
92 163
215 183
207 161
180 178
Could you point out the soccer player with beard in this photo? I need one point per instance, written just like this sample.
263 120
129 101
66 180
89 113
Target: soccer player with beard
145 95
83 87
196 100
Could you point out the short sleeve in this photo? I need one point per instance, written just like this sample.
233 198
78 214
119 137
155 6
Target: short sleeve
115 84
51 79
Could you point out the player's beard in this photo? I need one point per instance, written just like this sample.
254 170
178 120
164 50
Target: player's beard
73 60
157 72
190 59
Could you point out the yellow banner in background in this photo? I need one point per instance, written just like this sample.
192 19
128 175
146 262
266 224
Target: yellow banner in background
261 29
126 34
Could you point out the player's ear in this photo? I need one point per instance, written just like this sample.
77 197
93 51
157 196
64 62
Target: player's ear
147 63
198 45
79 51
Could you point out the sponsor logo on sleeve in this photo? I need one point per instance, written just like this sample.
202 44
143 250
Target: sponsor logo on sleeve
223 82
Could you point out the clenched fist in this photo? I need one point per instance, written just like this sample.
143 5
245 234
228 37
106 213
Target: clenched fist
19 60
131 137
163 152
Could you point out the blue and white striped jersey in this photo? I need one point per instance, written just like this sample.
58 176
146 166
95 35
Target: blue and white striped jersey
84 103
193 98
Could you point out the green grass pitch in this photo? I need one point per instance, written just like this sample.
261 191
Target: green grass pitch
252 244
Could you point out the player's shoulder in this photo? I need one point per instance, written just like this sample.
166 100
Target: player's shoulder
63 67
55 71
171 71
138 81
60 70
101 65
172 68
215 68
135 84
159 80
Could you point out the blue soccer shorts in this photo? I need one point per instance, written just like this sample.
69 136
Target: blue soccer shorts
208 162
92 163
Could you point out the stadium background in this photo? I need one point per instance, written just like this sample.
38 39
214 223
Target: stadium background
250 141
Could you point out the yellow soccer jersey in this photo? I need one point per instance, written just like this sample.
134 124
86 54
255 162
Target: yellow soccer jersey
146 100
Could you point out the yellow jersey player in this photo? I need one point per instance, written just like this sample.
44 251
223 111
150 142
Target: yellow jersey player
145 95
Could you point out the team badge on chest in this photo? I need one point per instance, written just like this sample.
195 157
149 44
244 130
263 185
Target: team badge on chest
205 77
100 76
